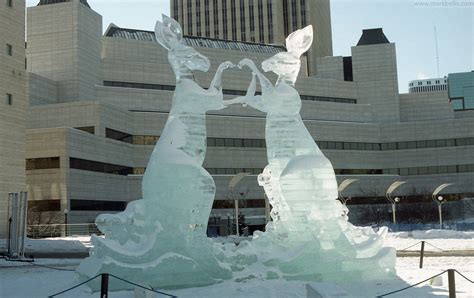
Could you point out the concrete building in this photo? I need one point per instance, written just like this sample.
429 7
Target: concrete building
13 103
91 130
428 85
260 21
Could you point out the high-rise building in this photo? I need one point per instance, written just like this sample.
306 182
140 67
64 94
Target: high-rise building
428 85
258 21
13 103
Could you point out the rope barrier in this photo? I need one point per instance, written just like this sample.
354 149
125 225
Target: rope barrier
434 246
410 246
411 286
44 266
463 276
137 285
72 288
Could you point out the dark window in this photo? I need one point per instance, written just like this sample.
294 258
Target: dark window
216 19
303 13
257 143
92 205
452 169
100 167
229 171
247 143
347 146
323 145
233 19
211 142
401 145
89 129
354 146
285 17
421 144
229 142
238 143
470 141
412 171
432 170
9 50
411 145
460 142
118 135
190 17
207 18
9 99
261 28
442 169
243 35
450 142
220 142
430 143
404 171
294 13
224 19
462 168
252 21
42 163
422 170
270 21
198 17
10 3
348 71
440 143
360 146
44 205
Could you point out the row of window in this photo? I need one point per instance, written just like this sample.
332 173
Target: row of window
100 167
429 88
225 91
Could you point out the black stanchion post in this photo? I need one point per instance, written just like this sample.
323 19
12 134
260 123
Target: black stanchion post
104 286
451 283
422 252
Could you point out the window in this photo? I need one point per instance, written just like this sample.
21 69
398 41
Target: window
88 129
118 135
224 19
216 19
261 27
252 21
198 17
243 35
457 103
100 167
233 19
10 3
9 99
207 19
42 163
270 21
9 50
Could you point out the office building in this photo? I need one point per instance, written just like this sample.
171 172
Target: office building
461 91
258 21
428 85
99 104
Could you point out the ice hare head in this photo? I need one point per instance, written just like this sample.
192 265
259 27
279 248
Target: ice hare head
287 64
183 59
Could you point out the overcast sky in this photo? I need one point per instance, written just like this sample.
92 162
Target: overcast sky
408 23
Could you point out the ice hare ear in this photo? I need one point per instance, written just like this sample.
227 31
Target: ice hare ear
168 33
300 41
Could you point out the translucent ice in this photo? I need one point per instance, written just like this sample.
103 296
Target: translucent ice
309 237
161 239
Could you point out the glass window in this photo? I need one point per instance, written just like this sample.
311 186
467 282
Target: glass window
149 140
423 170
404 171
9 99
450 143
432 170
219 142
212 171
391 146
411 145
353 146
469 141
383 146
452 169
228 142
211 142
248 170
331 145
9 50
323 145
462 168
256 143
401 145
421 144
457 104
360 146
220 171
339 146
229 171
347 146
442 169
440 143
460 142
412 171
10 3
470 168
368 146
238 143
247 143
430 143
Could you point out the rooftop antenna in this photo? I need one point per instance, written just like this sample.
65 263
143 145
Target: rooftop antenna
436 43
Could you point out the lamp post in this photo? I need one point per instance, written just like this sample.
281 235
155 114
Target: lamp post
65 221
440 201
394 209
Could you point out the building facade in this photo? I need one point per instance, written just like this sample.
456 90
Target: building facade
92 129
13 103
257 21
461 91
428 85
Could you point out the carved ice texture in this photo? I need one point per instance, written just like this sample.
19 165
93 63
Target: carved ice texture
309 237
160 240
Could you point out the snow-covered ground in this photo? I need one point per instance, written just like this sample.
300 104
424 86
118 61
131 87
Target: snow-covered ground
26 280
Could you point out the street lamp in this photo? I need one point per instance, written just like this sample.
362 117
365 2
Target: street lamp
65 221
440 202
395 200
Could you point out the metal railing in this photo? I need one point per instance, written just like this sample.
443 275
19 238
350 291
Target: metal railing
61 230
402 227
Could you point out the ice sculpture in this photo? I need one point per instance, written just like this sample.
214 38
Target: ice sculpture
309 238
161 239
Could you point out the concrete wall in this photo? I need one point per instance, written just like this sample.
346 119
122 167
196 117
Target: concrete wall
12 117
